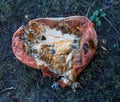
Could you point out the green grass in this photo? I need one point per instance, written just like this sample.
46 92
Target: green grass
100 80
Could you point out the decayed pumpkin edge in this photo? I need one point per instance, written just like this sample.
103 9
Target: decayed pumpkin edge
18 50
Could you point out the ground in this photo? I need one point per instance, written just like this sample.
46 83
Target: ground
100 80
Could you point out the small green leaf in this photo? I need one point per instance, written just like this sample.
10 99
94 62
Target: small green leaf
96 19
99 23
92 18
96 13
103 14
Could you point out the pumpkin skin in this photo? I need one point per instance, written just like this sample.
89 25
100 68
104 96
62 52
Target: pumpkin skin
88 45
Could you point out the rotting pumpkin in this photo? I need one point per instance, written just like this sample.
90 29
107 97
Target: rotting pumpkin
60 47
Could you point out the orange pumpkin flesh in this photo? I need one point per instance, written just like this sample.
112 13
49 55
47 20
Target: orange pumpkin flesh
78 26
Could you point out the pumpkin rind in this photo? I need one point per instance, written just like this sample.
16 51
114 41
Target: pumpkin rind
79 25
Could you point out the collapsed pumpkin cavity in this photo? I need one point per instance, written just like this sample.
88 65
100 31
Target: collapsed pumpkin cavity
61 48
51 47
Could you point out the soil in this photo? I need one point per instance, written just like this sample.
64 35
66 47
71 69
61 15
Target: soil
100 80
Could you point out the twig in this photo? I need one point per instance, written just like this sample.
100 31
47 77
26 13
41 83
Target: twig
7 89
90 8
104 49
3 30
113 27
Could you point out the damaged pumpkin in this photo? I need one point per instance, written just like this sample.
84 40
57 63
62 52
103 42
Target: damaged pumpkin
60 47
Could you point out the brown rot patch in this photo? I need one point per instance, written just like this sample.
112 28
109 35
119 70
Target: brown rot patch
92 45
